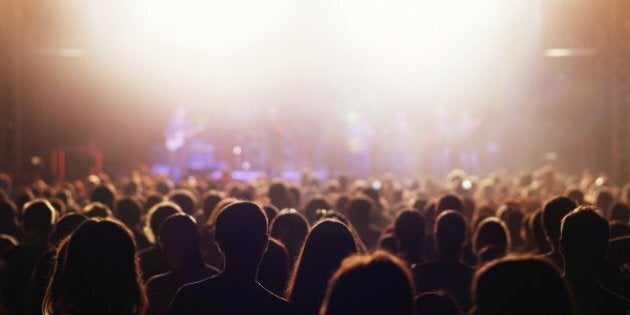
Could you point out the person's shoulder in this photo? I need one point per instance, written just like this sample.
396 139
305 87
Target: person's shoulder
191 298
159 279
277 303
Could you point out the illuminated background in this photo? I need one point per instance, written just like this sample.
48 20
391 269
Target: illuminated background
489 77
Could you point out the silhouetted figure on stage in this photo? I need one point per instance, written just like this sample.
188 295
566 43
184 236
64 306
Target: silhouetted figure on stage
447 272
241 233
552 214
584 244
179 240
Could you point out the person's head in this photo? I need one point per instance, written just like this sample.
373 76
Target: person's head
185 199
359 210
241 233
409 229
129 211
437 302
105 195
66 225
98 274
576 195
584 238
491 232
511 214
279 195
179 240
604 200
8 213
375 284
156 217
326 245
450 202
97 210
274 268
271 211
310 210
620 212
553 212
210 200
290 227
39 216
520 286
450 233
6 183
538 232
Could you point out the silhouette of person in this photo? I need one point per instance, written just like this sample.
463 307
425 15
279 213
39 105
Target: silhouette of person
541 246
96 273
584 245
436 303
179 240
241 233
290 227
274 268
369 285
21 260
491 233
129 212
447 272
409 229
524 285
8 219
152 259
326 245
359 213
553 212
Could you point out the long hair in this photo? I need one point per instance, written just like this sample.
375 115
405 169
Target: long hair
327 244
96 272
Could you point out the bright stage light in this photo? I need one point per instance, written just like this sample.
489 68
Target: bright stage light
270 48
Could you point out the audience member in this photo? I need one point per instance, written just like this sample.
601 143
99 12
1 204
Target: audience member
241 233
552 214
152 259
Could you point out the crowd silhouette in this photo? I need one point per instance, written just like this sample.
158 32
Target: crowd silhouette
539 242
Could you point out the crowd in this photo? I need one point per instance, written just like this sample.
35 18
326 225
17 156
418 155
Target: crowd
538 242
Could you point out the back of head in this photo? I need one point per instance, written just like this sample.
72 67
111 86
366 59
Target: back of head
241 230
128 211
620 212
438 303
8 213
552 214
450 202
291 228
520 286
359 211
157 215
538 232
210 200
576 195
375 284
450 232
39 216
271 212
310 210
326 245
185 200
584 237
279 195
103 194
97 210
604 200
66 225
511 214
100 274
491 231
409 229
179 234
